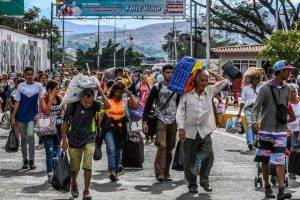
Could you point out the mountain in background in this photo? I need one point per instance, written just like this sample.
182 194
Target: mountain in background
72 28
147 40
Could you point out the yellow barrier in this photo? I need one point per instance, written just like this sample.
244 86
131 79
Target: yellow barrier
222 118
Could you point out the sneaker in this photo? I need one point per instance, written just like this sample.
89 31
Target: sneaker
269 192
74 190
282 194
250 147
25 164
160 178
292 176
167 177
31 164
86 195
120 169
113 177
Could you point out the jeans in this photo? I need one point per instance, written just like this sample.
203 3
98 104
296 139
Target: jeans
27 140
52 148
249 133
294 140
114 157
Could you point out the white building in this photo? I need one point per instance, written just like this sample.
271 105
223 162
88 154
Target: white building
22 49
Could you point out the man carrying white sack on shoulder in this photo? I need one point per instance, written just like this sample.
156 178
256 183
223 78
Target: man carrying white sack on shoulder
196 122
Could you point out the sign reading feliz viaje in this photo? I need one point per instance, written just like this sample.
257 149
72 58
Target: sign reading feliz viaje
122 8
12 7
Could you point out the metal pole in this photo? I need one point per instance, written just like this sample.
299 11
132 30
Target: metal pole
124 65
277 15
51 39
115 32
195 29
208 33
175 39
98 44
191 28
63 42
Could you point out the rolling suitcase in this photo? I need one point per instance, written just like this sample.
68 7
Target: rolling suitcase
133 152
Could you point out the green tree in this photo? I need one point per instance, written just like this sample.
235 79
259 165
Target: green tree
183 44
283 46
254 19
133 58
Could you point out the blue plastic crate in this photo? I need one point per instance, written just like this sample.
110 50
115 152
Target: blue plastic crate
181 74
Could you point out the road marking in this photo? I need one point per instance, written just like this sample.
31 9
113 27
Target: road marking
230 135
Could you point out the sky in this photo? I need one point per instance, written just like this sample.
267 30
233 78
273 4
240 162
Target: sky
130 24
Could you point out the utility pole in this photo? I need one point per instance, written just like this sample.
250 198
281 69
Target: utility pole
195 29
277 15
208 4
191 28
124 57
115 49
63 41
98 44
175 39
51 39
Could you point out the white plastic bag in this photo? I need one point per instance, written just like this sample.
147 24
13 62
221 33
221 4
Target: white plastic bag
77 84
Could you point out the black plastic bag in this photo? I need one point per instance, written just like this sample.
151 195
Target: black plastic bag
178 158
231 71
12 144
294 162
61 177
97 153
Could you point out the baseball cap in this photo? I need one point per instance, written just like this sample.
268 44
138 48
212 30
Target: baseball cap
282 64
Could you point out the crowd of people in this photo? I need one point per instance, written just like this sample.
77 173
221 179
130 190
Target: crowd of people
192 115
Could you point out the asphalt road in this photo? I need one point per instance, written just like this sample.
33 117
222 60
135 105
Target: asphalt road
232 177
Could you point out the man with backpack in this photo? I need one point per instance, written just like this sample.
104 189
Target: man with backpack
80 126
165 120
272 105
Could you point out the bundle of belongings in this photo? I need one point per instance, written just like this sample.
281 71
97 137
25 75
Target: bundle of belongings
77 84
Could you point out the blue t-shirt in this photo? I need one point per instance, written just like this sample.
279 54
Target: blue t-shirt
28 96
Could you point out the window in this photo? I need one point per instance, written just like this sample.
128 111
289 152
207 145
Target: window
243 65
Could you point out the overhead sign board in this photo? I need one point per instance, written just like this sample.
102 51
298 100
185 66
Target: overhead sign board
12 7
122 8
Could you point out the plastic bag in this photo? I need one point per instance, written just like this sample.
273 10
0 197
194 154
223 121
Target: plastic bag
177 164
97 153
136 115
61 177
252 71
76 85
234 125
5 121
12 144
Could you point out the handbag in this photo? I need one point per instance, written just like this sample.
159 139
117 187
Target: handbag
282 111
45 124
153 118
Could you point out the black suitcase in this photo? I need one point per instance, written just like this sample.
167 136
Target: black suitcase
294 162
133 152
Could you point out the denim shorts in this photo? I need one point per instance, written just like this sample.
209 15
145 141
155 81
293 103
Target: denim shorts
271 148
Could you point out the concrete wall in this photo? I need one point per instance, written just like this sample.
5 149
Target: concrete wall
22 50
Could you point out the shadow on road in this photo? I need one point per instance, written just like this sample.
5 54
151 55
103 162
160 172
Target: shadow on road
158 188
37 188
8 173
190 196
242 152
106 187
103 174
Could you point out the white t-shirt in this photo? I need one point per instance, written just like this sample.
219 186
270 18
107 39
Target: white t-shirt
248 95
295 125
